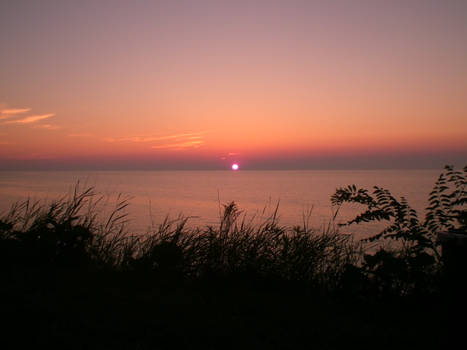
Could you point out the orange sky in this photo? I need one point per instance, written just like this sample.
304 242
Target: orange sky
255 81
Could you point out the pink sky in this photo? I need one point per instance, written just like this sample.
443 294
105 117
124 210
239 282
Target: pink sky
200 84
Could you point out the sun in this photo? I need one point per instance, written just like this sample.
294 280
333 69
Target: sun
235 166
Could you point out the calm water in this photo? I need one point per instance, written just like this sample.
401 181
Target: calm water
198 193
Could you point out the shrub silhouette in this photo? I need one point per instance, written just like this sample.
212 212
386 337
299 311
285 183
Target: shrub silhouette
412 265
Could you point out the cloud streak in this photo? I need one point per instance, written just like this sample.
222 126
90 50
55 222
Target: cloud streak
48 127
142 139
30 119
80 135
13 111
13 116
180 145
170 142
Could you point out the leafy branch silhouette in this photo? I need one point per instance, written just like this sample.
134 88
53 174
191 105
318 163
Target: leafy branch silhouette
446 211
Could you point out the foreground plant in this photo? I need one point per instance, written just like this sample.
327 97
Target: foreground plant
410 265
66 233
70 233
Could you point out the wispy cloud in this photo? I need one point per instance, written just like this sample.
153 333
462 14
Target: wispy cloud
48 127
30 119
180 145
228 155
80 135
13 111
195 135
141 139
173 141
179 141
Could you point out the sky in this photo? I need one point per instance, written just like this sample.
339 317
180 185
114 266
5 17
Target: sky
202 84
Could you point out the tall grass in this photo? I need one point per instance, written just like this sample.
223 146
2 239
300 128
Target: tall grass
72 232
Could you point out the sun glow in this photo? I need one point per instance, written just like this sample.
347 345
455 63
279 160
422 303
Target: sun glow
235 166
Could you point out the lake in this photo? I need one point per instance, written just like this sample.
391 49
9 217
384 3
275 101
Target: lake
200 194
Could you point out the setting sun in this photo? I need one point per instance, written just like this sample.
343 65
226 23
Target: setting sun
235 166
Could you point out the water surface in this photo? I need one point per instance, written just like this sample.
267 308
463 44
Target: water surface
155 194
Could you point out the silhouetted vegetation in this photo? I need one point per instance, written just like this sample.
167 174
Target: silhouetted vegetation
82 276
68 233
415 264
